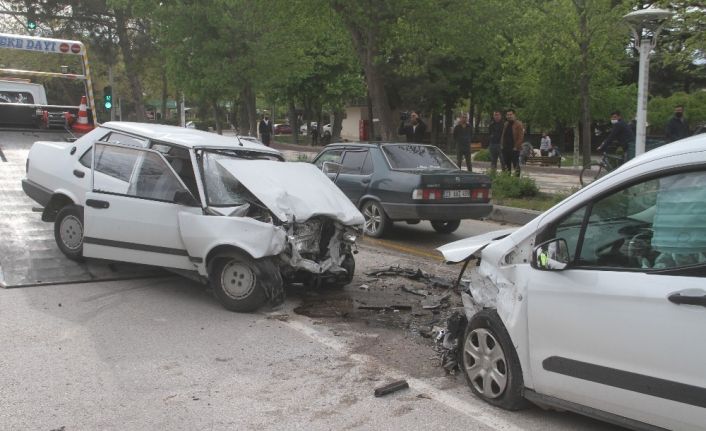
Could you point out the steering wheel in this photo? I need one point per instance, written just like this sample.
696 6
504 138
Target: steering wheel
639 247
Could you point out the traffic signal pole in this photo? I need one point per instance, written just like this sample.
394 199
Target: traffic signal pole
110 82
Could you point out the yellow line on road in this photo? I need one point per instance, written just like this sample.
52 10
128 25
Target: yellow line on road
405 249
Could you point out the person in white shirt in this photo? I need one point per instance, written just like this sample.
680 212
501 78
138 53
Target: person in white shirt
545 144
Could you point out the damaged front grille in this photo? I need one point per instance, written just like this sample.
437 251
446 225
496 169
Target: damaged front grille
316 245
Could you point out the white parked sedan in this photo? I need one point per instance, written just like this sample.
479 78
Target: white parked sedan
599 304
225 210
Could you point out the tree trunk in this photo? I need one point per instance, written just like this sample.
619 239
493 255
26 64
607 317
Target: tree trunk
164 94
364 41
337 126
130 65
217 115
448 127
294 122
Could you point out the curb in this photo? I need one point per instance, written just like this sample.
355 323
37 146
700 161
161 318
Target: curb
518 216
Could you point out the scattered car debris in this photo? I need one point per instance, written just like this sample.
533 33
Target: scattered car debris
364 287
436 302
416 275
417 292
282 317
448 340
391 387
394 307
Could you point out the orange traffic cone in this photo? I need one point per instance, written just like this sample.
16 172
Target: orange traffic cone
81 125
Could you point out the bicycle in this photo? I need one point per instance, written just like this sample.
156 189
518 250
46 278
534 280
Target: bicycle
596 170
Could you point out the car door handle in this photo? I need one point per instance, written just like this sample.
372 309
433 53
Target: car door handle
365 181
95 203
680 299
79 174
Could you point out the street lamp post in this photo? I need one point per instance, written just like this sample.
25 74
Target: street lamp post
645 25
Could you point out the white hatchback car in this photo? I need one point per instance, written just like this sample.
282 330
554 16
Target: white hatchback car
599 304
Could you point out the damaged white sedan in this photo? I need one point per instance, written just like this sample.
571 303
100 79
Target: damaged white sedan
598 305
225 210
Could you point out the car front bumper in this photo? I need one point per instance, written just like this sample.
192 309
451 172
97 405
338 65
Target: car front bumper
436 211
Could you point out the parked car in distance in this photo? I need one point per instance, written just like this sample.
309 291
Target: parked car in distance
392 182
282 129
228 211
598 305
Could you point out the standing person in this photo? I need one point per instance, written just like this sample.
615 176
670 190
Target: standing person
545 144
677 127
266 130
495 131
511 141
315 134
415 130
620 132
463 134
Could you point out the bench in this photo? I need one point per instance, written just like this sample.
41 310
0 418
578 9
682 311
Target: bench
544 161
476 146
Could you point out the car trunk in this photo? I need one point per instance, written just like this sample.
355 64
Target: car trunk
453 187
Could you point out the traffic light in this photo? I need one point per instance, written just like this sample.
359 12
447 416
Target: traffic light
108 97
31 23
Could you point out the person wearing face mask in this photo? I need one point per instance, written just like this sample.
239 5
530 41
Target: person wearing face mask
677 127
620 132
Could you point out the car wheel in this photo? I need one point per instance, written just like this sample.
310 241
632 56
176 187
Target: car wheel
490 363
591 173
349 265
242 283
68 231
445 226
376 221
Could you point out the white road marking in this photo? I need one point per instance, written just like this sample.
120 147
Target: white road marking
485 415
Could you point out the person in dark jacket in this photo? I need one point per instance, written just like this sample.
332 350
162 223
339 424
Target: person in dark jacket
495 131
415 130
677 127
463 134
511 139
266 131
620 133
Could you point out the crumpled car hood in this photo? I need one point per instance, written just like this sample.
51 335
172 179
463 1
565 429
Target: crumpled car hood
293 190
458 251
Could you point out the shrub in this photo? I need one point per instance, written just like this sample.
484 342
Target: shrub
482 156
508 186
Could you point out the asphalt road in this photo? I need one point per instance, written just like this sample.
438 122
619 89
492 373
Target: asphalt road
161 353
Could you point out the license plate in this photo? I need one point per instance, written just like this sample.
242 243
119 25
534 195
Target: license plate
450 194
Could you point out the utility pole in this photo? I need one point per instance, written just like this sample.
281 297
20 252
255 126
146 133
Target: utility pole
110 82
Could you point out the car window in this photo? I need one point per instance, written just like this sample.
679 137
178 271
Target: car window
657 224
142 174
120 138
16 97
353 162
329 156
115 162
180 160
411 156
368 165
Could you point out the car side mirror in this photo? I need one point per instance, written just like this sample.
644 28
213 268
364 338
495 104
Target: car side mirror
330 167
552 255
185 198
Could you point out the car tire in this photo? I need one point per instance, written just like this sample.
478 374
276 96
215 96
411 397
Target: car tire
376 221
241 283
445 226
68 232
349 265
489 362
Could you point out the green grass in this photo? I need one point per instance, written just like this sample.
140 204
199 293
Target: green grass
540 202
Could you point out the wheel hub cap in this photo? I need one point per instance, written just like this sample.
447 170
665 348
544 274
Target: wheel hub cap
238 280
373 219
71 232
484 363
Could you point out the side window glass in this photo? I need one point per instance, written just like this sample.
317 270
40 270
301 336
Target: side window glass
154 180
569 229
87 158
114 166
368 165
353 162
329 156
657 224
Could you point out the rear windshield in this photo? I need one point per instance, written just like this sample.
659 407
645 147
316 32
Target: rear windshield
16 97
415 156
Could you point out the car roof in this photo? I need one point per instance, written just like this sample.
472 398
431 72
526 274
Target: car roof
190 138
371 144
694 144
